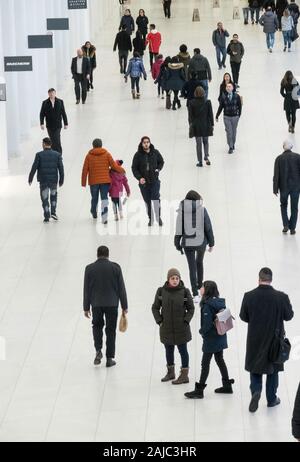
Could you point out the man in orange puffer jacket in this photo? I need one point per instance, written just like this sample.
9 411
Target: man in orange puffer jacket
97 166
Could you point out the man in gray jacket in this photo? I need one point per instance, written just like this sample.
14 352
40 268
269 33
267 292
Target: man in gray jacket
104 288
219 40
199 65
236 52
270 23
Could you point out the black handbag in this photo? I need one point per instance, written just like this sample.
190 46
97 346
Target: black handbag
294 34
280 347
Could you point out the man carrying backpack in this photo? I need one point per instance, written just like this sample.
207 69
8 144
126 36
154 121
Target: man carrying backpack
135 69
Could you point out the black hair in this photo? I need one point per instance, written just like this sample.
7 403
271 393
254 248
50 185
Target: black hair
136 54
51 89
193 196
183 48
97 143
197 51
152 26
175 59
265 275
47 141
103 251
210 290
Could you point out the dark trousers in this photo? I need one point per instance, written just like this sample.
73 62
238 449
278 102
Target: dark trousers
167 9
294 198
271 385
235 69
221 55
256 11
176 99
54 136
80 87
103 190
199 141
205 366
195 261
183 354
45 191
135 84
117 204
123 58
152 58
91 81
111 317
151 193
291 117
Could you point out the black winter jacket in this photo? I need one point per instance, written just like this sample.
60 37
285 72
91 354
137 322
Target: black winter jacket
142 23
296 417
231 107
201 117
54 115
123 41
127 20
173 309
264 309
200 65
287 172
146 165
189 88
48 164
86 66
104 285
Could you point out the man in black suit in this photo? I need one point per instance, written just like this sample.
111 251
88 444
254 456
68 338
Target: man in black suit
53 110
104 288
81 70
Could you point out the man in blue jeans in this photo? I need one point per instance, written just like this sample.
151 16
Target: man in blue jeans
264 309
287 180
219 40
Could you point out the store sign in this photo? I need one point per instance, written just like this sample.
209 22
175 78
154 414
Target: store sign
2 92
17 63
40 41
58 24
77 4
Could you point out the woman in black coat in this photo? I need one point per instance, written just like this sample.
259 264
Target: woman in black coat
138 43
291 103
128 21
201 120
296 417
173 309
213 343
193 234
174 81
142 23
89 51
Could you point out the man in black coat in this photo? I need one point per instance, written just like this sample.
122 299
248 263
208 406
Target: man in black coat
123 42
49 165
81 70
264 309
296 417
287 180
146 165
53 110
104 288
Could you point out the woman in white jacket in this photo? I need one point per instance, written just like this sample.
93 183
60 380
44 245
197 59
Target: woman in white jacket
287 24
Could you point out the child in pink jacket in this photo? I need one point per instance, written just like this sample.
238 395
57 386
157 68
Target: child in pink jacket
156 71
118 183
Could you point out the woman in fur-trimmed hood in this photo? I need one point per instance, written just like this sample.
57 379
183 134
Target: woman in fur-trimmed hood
174 80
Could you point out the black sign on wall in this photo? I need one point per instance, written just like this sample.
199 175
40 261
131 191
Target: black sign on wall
58 24
77 4
40 41
17 63
2 92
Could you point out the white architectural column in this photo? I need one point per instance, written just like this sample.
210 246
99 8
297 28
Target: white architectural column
52 74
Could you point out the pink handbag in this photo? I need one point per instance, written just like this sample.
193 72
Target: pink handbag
223 321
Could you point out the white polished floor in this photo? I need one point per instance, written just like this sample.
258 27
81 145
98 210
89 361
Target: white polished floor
49 389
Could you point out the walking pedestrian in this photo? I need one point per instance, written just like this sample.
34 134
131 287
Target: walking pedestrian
193 234
294 10
286 180
255 6
213 343
128 22
146 166
199 64
264 309
81 70
173 310
135 69
123 42
161 79
174 81
230 103
104 289
138 44
185 59
188 89
280 6
287 25
154 41
156 72
96 169
89 51
167 8
201 121
119 182
50 172
287 88
270 24
53 110
296 417
236 51
246 10
142 23
219 40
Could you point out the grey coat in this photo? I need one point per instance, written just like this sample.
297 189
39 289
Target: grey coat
269 21
219 38
173 309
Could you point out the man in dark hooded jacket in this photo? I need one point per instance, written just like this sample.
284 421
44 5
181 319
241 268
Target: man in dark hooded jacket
199 65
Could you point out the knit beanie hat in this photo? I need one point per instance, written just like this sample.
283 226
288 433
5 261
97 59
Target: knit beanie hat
173 272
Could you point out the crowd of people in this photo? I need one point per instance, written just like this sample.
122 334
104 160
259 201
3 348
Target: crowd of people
264 309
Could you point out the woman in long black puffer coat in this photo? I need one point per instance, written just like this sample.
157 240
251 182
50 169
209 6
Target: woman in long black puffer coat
201 120
173 309
142 22
174 81
291 103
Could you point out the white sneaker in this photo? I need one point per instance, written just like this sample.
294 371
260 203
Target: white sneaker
196 299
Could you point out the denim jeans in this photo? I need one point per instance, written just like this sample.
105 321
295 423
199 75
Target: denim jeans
294 198
182 351
195 261
205 366
123 58
221 55
256 11
101 189
270 36
151 193
271 385
135 83
246 13
287 38
45 190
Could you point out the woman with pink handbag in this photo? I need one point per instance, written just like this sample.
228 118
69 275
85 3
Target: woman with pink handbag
213 343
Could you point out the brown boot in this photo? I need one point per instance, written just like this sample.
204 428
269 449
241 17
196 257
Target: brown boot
183 377
170 374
